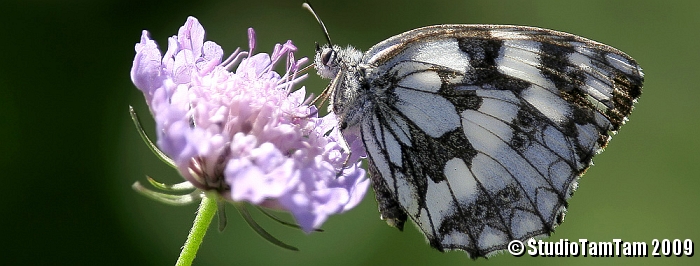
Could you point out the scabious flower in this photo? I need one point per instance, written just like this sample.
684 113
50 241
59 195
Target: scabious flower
243 133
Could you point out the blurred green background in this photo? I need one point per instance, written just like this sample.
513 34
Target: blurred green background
69 153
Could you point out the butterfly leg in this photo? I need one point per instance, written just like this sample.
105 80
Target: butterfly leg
346 148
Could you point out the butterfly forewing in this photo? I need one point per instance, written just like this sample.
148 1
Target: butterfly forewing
479 133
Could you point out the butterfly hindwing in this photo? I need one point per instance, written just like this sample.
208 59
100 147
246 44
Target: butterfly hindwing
479 133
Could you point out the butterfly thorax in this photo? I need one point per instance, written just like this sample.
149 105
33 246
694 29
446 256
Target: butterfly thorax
349 89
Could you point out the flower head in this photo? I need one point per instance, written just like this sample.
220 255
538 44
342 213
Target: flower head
243 132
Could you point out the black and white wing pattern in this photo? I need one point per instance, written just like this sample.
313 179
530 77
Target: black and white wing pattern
479 133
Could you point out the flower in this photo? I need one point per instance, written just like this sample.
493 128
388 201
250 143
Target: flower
244 133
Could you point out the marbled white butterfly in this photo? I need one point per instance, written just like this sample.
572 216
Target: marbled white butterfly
479 133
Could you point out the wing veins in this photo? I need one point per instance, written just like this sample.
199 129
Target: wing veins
549 122
551 185
591 72
460 207
393 170
529 199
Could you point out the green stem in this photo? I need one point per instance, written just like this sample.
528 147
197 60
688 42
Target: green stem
205 213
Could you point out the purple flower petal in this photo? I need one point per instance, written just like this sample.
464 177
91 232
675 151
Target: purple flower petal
146 70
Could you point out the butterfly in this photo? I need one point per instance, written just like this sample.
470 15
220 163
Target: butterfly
479 133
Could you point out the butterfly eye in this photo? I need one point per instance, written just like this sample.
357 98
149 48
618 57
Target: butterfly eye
327 57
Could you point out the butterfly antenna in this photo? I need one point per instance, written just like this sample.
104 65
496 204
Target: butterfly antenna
307 6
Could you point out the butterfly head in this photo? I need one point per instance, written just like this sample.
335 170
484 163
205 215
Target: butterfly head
330 60
326 61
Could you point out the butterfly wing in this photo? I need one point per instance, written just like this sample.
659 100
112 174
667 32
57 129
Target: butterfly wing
479 133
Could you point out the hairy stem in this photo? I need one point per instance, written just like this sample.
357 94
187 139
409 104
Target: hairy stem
205 214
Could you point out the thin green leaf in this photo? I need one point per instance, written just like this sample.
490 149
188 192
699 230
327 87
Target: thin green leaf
258 229
184 186
177 200
149 143
221 214
273 217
